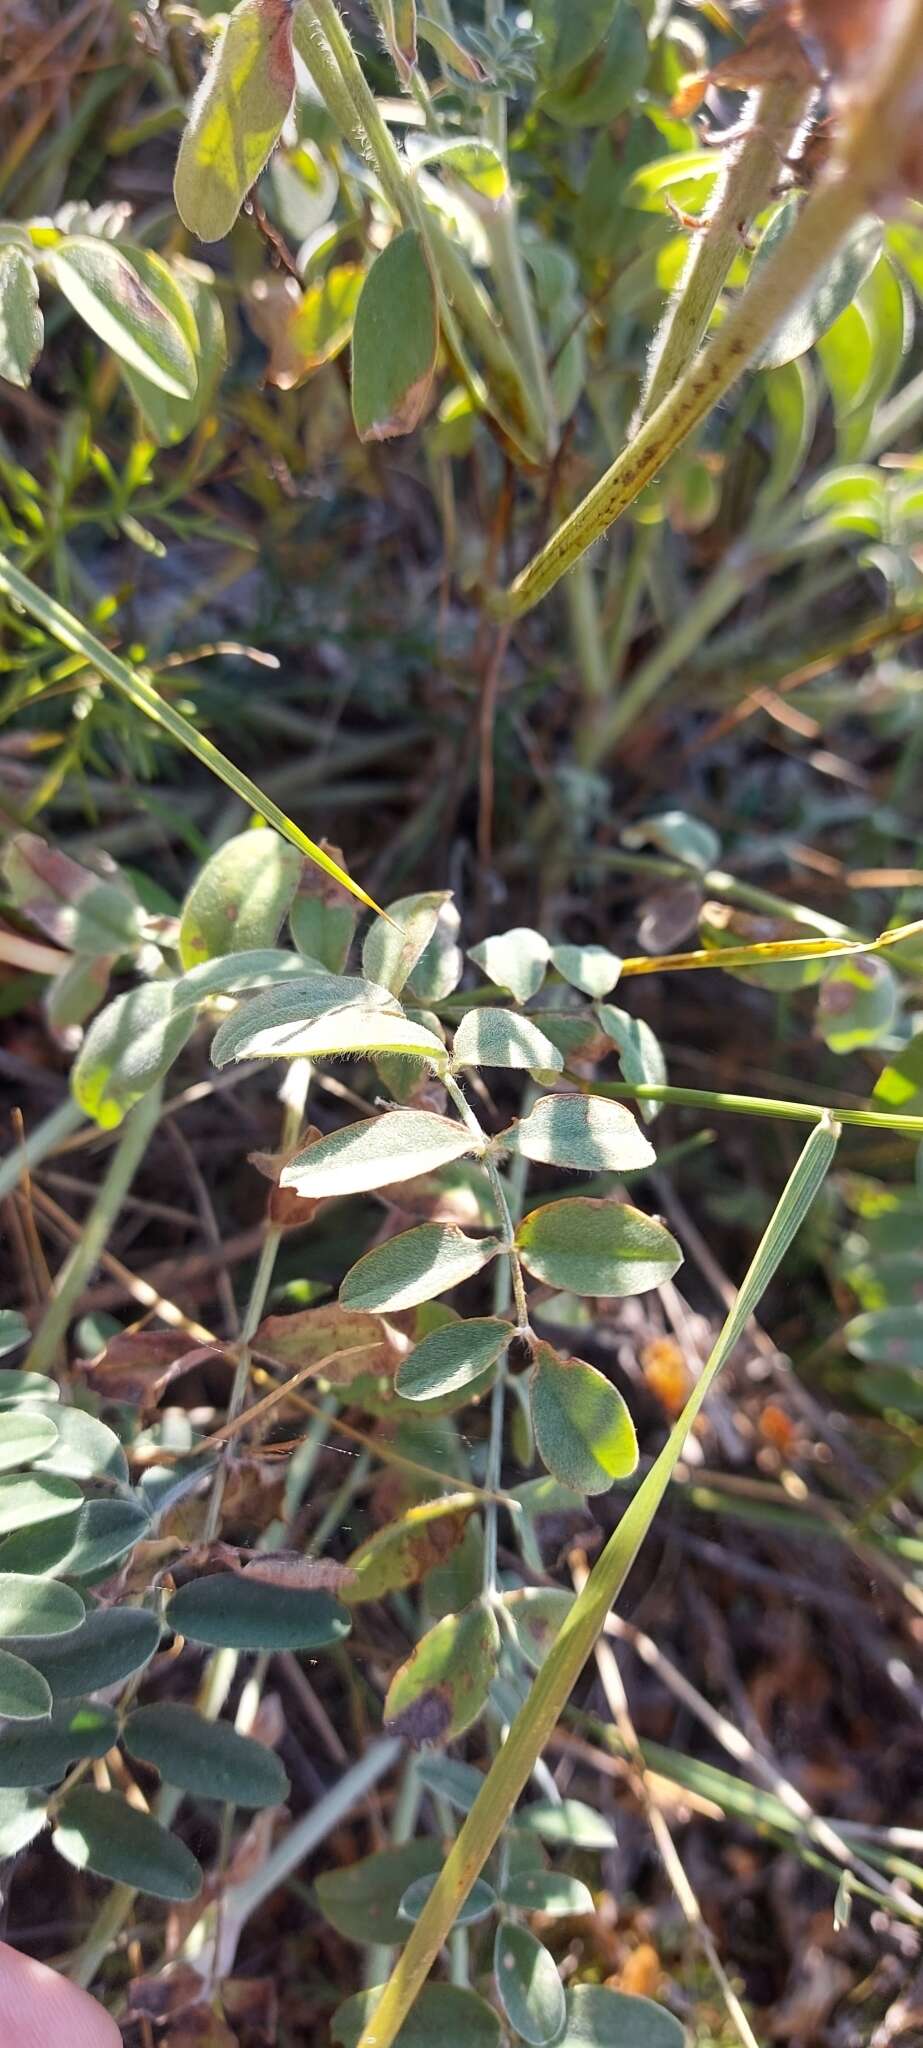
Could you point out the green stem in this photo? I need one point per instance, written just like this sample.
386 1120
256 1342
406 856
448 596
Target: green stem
552 1687
751 171
45 1139
63 626
756 1105
875 128
75 1272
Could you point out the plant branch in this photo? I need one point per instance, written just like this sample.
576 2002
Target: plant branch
537 1718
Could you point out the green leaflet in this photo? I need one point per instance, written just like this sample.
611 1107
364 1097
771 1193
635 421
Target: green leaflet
480 1902
128 1048
516 960
443 2012
240 897
32 1607
596 2017
375 1153
583 1429
592 969
395 341
41 1752
547 1891
24 1693
236 1613
99 1831
597 1247
22 329
362 1899
207 1758
108 1646
415 1267
272 1024
25 1501
236 117
529 1987
443 1687
451 1358
24 1435
836 288
391 951
108 294
502 1038
579 1132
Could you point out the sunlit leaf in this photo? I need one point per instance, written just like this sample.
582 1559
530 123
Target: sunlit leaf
240 897
443 1687
676 832
857 1004
583 1428
271 1024
597 1247
582 1132
836 288
25 1501
537 1613
375 1153
391 951
236 117
14 1330
100 1832
24 1435
503 1038
900 1084
516 960
22 329
592 969
84 1448
128 1048
93 1535
395 341
404 1551
32 1607
567 1823
107 293
640 1058
415 1267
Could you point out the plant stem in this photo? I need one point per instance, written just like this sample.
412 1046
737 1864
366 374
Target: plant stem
876 133
755 1105
773 117
140 1123
45 1139
242 1900
295 1087
63 626
537 1718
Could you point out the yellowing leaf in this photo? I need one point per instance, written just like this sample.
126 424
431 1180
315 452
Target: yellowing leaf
304 330
236 117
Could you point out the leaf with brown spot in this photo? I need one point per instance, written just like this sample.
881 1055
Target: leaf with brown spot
137 1366
402 1554
444 1684
333 1335
395 341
